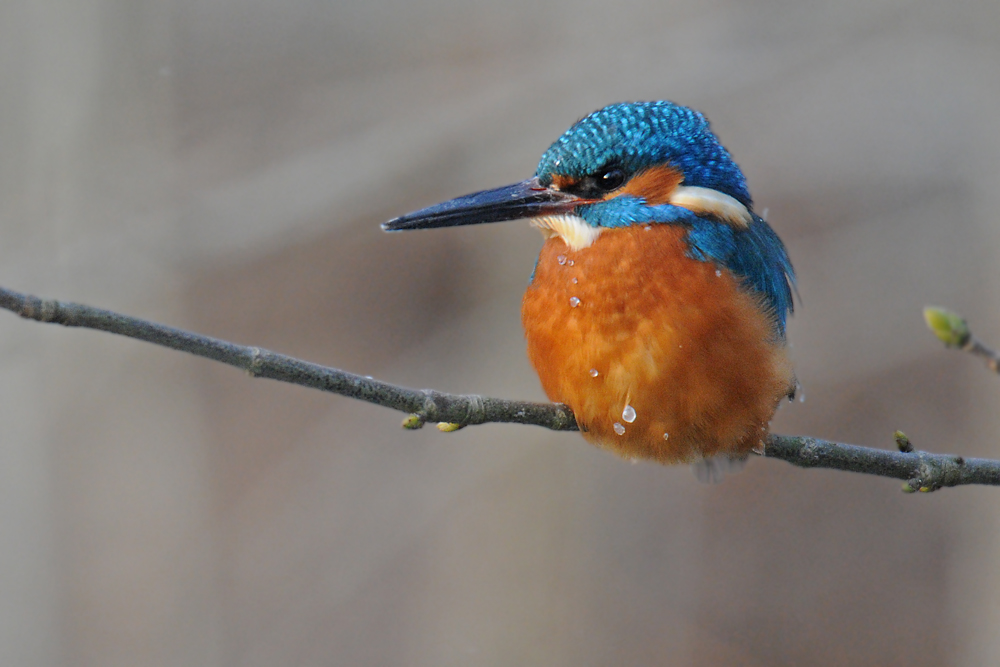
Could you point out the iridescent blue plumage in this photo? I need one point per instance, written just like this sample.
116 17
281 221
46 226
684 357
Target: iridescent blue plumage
638 136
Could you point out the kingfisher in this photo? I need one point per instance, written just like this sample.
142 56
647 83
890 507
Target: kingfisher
658 303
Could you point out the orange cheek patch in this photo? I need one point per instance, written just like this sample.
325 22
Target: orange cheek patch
655 185
563 182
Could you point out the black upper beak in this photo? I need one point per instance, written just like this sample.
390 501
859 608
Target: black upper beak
526 199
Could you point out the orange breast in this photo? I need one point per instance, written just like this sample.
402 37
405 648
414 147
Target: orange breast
659 355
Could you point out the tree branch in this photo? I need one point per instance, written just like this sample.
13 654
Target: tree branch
423 405
922 471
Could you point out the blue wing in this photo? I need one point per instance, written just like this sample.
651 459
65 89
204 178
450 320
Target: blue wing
755 254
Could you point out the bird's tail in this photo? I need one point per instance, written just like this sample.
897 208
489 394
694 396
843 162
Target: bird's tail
714 469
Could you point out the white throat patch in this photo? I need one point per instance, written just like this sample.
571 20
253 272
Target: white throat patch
572 229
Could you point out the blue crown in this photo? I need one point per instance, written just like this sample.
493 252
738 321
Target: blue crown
638 135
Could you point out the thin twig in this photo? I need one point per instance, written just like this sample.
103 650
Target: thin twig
922 471
976 348
953 330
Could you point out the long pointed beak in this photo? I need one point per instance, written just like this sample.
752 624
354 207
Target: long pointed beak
526 199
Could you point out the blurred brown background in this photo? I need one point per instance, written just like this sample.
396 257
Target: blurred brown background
223 166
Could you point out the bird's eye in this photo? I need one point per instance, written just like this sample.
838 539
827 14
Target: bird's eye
610 179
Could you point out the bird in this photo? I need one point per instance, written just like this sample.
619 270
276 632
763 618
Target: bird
658 305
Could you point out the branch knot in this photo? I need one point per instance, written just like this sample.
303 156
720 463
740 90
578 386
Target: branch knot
475 410
256 362
42 310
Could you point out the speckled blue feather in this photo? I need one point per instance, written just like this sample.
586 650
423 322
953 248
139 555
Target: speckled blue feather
636 136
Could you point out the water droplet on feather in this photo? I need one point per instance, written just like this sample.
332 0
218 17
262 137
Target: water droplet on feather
628 414
574 302
619 429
